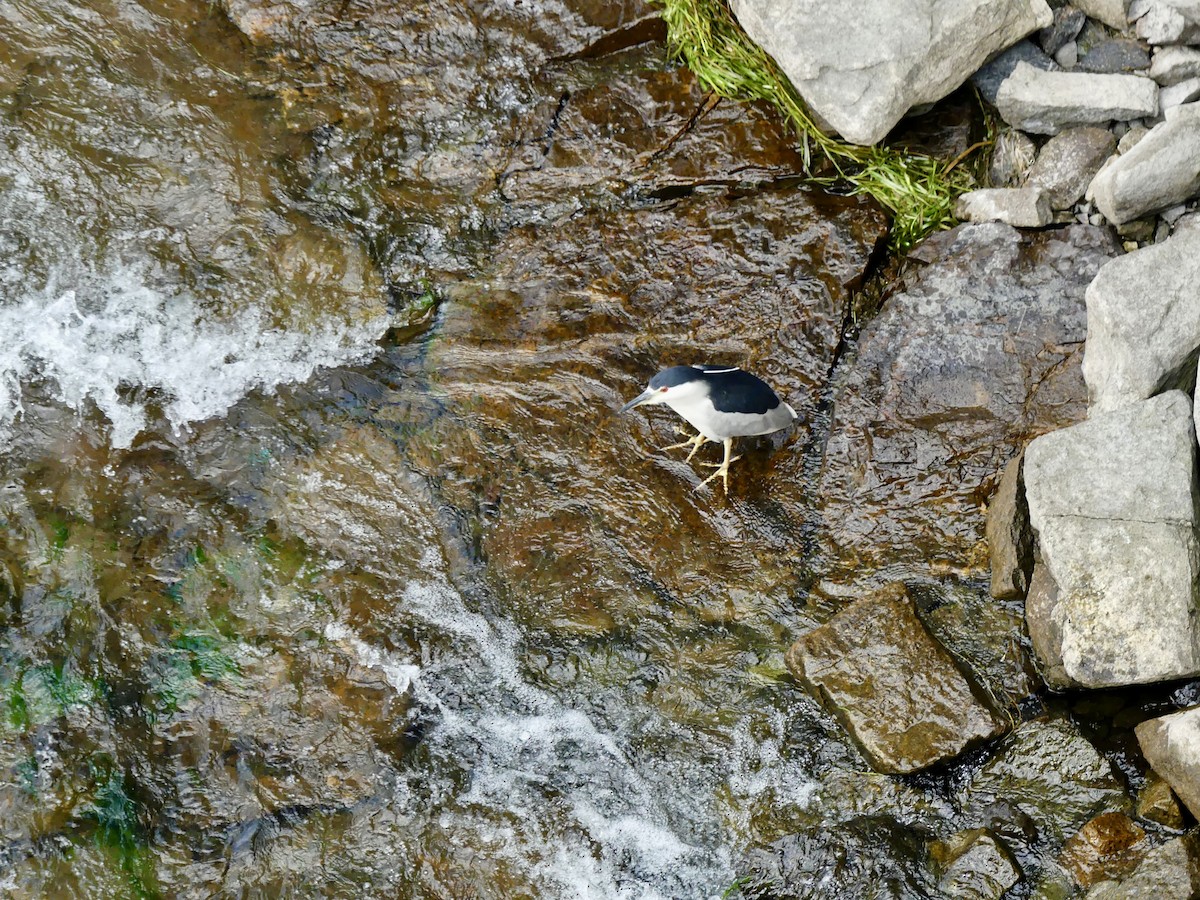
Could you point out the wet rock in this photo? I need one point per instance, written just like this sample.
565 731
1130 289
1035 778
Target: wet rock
975 864
1019 207
1113 503
645 129
853 858
1045 632
1170 871
1052 774
569 320
1115 57
1171 65
989 78
862 68
1143 336
1010 541
894 688
1111 12
978 353
1047 102
1157 803
1067 163
1012 156
1067 22
1171 744
1107 848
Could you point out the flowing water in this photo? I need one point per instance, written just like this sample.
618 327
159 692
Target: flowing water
326 568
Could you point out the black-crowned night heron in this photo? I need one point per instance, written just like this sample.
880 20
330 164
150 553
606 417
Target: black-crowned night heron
721 403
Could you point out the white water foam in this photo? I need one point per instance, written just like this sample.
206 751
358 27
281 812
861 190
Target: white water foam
588 823
88 308
134 335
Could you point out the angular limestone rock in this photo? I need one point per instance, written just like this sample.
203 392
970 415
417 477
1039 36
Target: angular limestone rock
862 64
1027 207
1010 542
1111 12
1171 65
1171 744
1143 333
1068 162
894 688
1113 501
1047 102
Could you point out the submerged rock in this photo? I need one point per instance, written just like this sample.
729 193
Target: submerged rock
1047 102
1171 744
1143 335
861 67
978 353
849 859
1113 501
975 865
1052 774
895 689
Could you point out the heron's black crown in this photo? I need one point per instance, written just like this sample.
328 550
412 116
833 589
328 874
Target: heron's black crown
729 388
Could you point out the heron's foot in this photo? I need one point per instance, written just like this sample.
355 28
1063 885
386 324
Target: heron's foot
722 473
723 468
694 443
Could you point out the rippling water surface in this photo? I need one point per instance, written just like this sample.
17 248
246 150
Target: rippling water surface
326 567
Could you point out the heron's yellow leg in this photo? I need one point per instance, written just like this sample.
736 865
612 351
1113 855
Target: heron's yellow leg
723 468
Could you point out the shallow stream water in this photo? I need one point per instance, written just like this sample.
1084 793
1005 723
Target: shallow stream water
327 568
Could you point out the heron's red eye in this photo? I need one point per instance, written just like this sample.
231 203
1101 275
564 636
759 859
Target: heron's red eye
663 390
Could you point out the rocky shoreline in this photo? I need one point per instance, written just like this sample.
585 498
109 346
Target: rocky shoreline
1093 525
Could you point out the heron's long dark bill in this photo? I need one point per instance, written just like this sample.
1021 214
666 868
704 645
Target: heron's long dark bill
636 401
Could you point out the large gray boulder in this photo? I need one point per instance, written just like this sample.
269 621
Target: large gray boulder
1113 501
1160 171
862 64
1047 102
1143 329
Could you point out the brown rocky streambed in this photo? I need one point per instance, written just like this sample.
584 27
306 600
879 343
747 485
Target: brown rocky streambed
327 568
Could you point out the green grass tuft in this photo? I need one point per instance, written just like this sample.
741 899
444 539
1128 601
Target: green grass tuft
918 190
